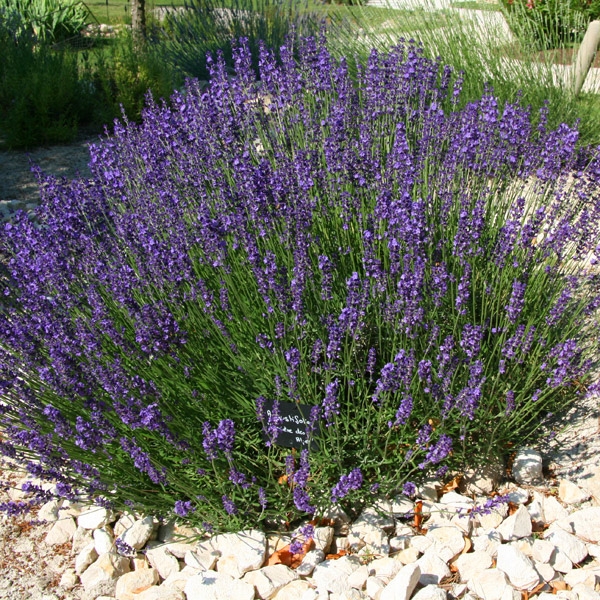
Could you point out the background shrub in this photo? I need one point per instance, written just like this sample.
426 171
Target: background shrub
50 21
205 26
418 276
549 23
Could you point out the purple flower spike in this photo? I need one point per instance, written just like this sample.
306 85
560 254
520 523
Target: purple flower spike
347 483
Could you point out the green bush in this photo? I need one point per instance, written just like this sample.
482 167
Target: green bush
205 26
549 23
417 278
50 21
124 73
42 99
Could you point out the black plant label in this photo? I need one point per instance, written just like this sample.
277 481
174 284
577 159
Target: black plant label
294 429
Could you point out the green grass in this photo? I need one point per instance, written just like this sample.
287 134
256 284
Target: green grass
473 5
119 11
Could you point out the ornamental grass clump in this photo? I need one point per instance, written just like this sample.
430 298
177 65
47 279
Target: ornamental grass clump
280 293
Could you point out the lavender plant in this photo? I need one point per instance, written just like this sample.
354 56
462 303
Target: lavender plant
420 278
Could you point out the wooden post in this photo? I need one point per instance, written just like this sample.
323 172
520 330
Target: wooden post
586 53
138 20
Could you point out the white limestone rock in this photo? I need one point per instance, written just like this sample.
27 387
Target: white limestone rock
585 592
402 506
456 502
553 510
545 571
95 517
69 579
584 523
61 532
351 594
408 556
517 495
85 558
491 584
178 580
433 568
488 541
341 521
357 579
332 575
447 542
81 538
527 467
139 533
163 561
179 549
403 584
431 592
374 587
517 526
210 585
103 540
518 568
322 538
490 520
421 543
295 590
482 480
574 548
240 552
542 551
100 578
472 563
385 568
372 517
560 561
588 576
160 593
49 511
124 522
134 582
571 493
399 542
202 559
536 512
269 580
311 559
428 490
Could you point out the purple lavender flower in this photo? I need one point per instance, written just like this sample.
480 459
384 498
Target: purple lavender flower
438 451
183 507
409 489
510 402
229 505
347 483
302 500
403 412
330 404
516 301
262 498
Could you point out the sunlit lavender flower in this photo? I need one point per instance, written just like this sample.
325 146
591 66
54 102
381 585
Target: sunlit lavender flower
183 508
302 500
409 489
438 451
347 483
516 301
330 404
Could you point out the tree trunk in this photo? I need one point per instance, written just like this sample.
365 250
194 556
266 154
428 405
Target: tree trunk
138 19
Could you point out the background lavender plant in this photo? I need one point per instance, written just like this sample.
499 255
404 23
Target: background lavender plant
421 276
